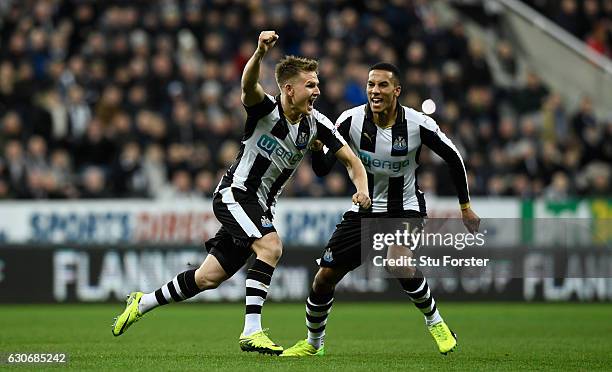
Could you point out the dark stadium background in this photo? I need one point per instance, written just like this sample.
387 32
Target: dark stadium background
118 118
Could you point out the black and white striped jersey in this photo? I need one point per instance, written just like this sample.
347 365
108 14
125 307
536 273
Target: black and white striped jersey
390 156
272 149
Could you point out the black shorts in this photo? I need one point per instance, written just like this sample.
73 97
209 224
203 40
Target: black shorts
344 247
243 220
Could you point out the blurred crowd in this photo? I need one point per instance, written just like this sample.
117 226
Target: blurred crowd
141 98
588 20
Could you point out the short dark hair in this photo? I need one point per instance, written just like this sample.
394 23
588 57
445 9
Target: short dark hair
386 66
290 66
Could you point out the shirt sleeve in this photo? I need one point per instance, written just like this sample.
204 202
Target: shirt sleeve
262 108
328 133
256 112
436 140
323 161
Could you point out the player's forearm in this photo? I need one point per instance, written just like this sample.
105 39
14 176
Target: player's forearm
358 175
355 169
458 175
457 172
250 75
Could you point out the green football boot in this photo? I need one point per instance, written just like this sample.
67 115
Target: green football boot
303 348
259 342
129 316
445 338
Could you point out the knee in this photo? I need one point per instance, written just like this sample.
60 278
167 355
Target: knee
269 246
401 255
206 281
324 281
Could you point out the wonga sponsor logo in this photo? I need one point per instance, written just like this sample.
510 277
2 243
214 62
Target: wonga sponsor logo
369 162
270 145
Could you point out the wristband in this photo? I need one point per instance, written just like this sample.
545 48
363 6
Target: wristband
465 206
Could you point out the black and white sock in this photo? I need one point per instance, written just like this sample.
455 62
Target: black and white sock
182 287
318 308
258 280
418 291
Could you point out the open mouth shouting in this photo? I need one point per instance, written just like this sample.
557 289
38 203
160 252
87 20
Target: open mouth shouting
310 102
377 102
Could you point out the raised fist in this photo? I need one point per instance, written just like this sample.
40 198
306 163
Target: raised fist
267 39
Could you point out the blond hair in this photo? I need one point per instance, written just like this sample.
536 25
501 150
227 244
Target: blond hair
290 66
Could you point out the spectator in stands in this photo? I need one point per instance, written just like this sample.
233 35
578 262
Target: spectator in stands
94 184
15 165
36 156
154 169
95 148
476 66
205 184
128 174
598 38
567 17
335 185
507 60
180 188
11 129
62 173
598 176
590 17
559 189
79 114
529 98
584 118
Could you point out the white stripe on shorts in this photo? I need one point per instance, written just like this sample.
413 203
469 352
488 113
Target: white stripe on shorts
239 214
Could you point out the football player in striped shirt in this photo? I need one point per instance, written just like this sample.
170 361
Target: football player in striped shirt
387 137
277 134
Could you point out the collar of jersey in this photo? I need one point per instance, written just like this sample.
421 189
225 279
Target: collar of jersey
398 119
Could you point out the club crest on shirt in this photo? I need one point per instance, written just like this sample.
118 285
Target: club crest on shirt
265 222
400 144
328 256
301 141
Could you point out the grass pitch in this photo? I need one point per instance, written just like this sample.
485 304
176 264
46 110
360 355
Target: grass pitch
374 336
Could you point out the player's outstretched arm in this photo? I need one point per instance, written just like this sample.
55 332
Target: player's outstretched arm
329 136
252 91
436 140
358 175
